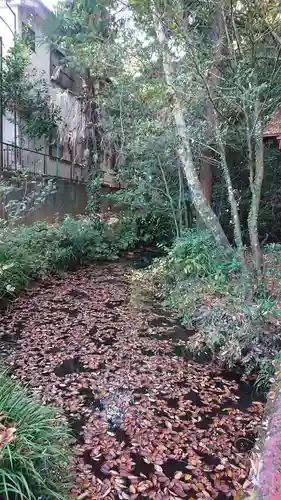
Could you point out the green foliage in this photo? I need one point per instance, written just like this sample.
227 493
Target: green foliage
34 448
30 252
195 254
27 93
94 192
208 291
21 193
155 229
80 26
137 105
128 231
266 376
136 120
122 231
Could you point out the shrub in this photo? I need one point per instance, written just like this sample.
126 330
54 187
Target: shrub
194 255
128 231
122 232
33 447
208 292
30 252
154 229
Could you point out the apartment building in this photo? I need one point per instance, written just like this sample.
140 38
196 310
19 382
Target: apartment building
26 18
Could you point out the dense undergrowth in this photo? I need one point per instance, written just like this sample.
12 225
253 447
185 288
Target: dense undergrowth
31 252
207 290
33 447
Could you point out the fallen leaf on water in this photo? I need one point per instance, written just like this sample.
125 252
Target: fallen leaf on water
220 467
100 360
178 475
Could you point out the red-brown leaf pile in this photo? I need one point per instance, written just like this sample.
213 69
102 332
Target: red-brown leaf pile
147 422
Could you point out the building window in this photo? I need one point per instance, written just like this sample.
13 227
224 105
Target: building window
28 36
60 74
58 150
55 149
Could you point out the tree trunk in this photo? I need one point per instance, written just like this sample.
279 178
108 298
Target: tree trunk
180 199
206 174
173 211
231 195
184 151
206 164
255 185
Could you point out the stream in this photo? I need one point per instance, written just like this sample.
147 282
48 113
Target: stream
147 421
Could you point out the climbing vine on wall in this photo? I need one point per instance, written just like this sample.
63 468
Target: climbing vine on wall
94 192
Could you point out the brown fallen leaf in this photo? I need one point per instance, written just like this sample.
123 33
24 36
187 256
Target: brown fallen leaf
220 467
178 475
6 435
101 341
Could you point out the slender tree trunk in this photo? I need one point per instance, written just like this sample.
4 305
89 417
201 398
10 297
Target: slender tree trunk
206 174
206 166
231 196
173 211
184 151
180 200
256 180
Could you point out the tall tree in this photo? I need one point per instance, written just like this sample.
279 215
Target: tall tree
206 69
27 93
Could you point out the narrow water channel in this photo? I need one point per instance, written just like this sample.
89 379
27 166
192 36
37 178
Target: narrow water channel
148 423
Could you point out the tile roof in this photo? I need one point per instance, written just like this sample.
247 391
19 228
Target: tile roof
273 127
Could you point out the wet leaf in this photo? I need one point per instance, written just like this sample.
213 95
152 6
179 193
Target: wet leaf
130 400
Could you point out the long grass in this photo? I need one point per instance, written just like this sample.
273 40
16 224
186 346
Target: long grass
34 462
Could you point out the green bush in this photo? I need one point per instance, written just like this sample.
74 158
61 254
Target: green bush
34 449
193 255
122 232
30 252
128 231
155 229
208 291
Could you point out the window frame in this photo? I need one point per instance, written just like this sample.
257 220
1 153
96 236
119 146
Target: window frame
53 144
53 67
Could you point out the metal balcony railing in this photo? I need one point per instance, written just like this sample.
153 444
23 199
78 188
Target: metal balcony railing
16 158
13 158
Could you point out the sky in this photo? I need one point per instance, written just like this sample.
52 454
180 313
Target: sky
49 3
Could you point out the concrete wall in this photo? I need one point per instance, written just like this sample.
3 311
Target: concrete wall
40 59
7 26
70 198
